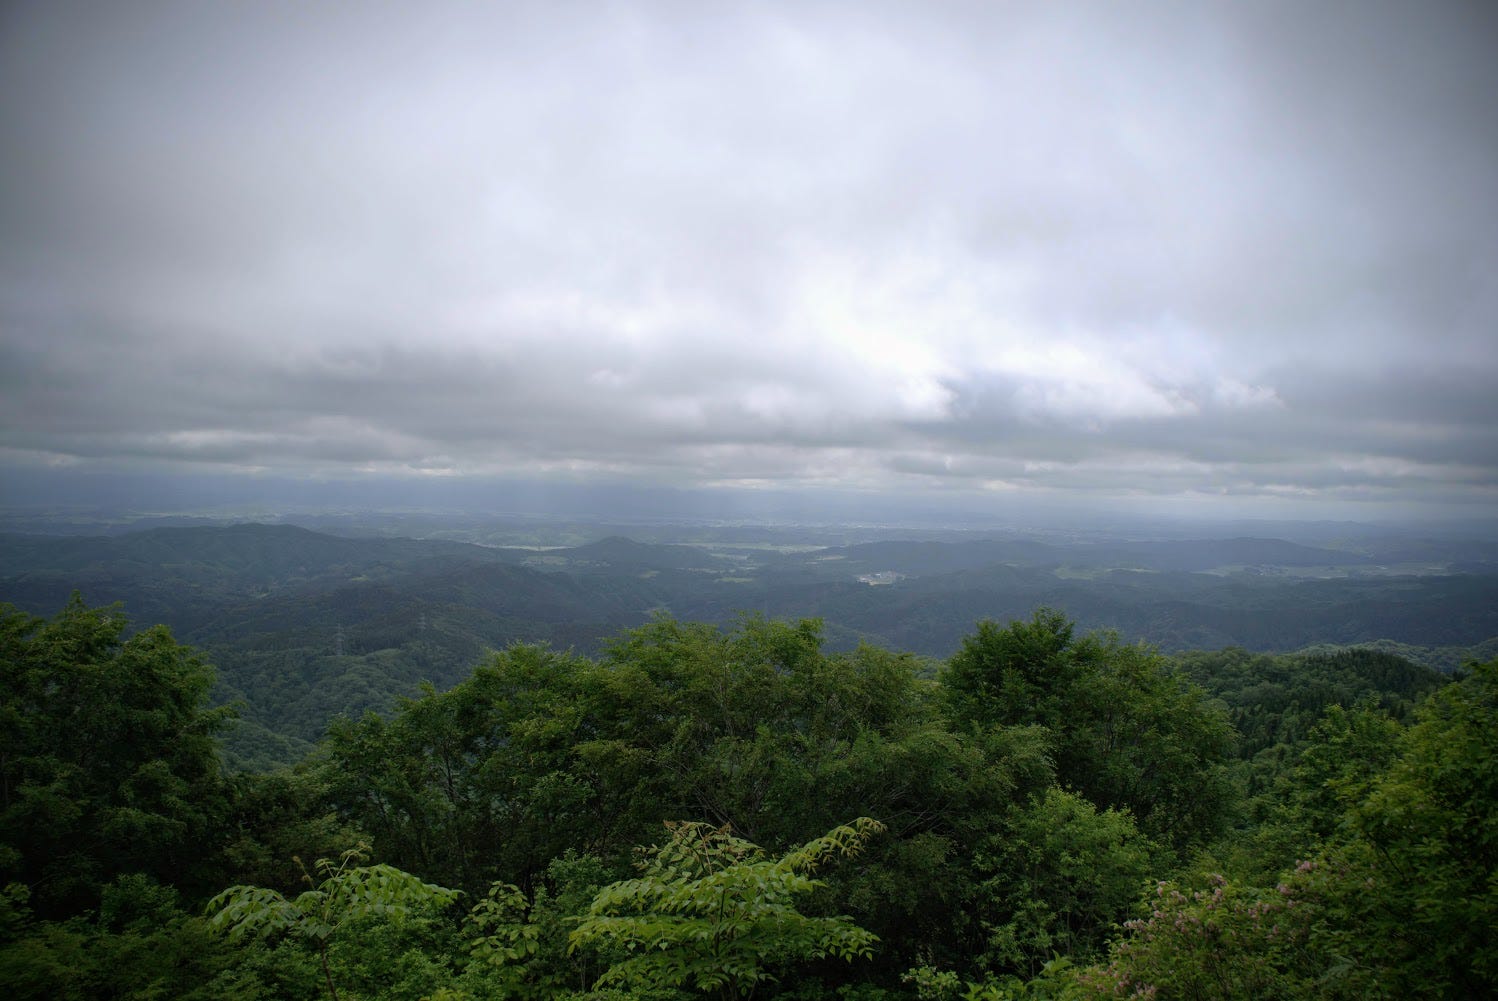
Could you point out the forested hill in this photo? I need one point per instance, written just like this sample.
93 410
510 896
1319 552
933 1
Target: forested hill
184 575
742 813
253 552
1160 555
303 625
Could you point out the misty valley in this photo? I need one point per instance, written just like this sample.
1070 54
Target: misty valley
302 626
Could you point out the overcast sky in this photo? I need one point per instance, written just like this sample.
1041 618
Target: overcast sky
1187 250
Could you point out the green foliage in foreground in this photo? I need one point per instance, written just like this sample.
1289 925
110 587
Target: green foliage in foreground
138 944
712 912
1399 902
1062 818
107 758
347 893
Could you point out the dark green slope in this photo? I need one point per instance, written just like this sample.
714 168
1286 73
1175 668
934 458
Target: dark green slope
923 558
1173 610
1188 555
1191 555
185 577
619 555
247 553
298 660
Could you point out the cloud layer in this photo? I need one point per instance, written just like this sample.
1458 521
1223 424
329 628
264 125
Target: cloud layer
1235 249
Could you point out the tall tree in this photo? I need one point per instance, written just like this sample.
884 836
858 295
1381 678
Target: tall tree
1125 732
108 763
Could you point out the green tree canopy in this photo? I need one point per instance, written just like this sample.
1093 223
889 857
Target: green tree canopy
108 763
1125 732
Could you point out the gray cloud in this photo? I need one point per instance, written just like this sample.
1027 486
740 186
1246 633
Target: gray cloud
1205 249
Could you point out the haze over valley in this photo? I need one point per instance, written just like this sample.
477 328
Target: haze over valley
304 626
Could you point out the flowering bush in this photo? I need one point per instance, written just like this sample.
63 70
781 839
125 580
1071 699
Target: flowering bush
1222 941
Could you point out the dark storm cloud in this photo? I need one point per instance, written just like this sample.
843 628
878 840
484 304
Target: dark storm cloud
1189 249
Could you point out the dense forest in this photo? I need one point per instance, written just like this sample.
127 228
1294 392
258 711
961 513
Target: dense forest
305 625
743 810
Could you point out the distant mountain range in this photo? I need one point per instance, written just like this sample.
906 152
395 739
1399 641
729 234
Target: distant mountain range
303 625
